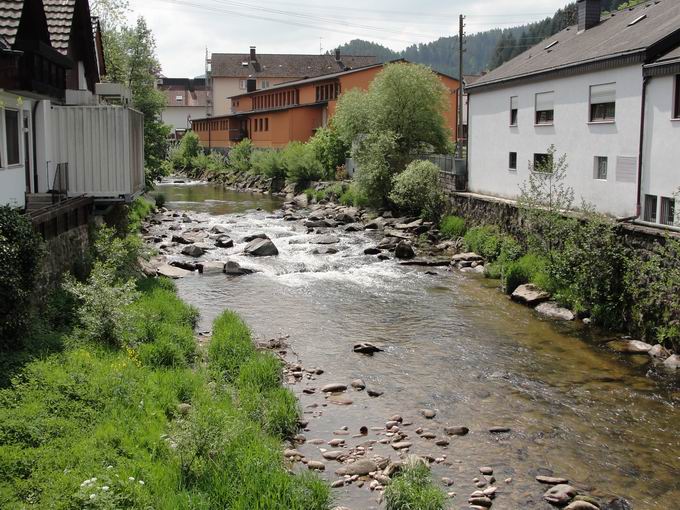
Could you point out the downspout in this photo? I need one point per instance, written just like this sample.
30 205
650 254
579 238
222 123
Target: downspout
638 207
35 148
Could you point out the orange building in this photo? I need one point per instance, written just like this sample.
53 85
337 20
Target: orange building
293 111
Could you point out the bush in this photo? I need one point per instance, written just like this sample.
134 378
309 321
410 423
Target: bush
353 196
231 345
530 268
452 227
330 150
301 164
268 163
119 253
21 253
412 489
160 199
138 211
417 190
485 241
239 156
188 148
374 167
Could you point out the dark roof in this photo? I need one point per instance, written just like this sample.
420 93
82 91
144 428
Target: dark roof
188 83
283 65
10 16
670 57
616 36
59 21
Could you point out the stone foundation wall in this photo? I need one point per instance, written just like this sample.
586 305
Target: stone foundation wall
63 253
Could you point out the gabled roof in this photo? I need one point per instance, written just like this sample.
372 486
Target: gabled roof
231 65
59 21
10 17
631 35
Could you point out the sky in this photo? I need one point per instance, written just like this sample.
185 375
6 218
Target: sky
185 28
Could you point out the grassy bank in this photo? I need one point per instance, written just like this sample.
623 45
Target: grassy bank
110 404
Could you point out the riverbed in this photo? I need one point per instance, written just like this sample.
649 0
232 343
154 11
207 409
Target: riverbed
454 344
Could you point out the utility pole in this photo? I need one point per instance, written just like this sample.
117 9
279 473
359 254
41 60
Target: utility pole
461 50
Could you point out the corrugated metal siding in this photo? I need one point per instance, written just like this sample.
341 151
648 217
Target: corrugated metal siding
103 146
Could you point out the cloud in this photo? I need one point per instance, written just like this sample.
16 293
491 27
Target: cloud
185 28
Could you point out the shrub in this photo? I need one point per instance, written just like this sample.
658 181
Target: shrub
138 211
276 410
485 241
413 489
530 268
301 164
374 168
239 156
268 163
120 253
417 190
315 195
160 199
452 227
231 345
330 150
353 196
21 254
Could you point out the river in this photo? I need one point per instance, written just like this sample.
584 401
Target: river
454 344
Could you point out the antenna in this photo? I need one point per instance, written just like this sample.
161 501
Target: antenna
320 45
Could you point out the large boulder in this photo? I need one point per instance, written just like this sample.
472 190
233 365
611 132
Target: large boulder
404 251
224 242
530 295
172 272
193 250
555 311
629 346
560 495
252 237
261 248
219 229
211 268
232 268
360 468
326 239
672 363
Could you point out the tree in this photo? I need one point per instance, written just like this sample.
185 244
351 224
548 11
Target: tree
111 13
352 115
131 59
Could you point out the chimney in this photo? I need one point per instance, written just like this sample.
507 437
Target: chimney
589 12
337 54
253 55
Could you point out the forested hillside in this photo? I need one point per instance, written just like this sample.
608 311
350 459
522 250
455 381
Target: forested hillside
484 50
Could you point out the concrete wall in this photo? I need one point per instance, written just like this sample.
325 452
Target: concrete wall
177 116
491 137
661 160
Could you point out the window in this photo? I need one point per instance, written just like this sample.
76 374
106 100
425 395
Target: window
179 98
603 102
650 208
514 104
543 163
266 124
545 108
667 211
12 137
264 84
601 168
242 84
512 163
254 124
676 99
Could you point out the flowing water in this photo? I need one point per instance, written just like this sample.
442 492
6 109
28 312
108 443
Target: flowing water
452 343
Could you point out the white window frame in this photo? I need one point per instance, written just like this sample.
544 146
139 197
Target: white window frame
264 84
243 84
536 110
596 169
5 148
516 98
590 104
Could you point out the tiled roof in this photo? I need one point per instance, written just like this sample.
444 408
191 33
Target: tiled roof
10 16
59 20
231 65
622 33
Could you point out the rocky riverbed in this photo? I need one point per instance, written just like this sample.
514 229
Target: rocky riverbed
393 354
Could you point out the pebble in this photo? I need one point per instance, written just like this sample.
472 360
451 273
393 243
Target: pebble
334 388
336 442
447 481
397 418
551 480
333 454
358 384
442 442
338 483
428 413
486 470
316 465
499 430
456 431
402 445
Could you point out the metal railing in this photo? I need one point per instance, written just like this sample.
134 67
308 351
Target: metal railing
60 183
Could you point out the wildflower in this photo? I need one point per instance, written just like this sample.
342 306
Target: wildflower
131 478
92 496
141 482
105 488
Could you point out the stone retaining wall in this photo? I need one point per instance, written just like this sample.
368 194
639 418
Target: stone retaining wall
63 253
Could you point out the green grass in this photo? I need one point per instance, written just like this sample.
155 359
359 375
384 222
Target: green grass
529 268
412 489
313 194
89 417
452 227
139 209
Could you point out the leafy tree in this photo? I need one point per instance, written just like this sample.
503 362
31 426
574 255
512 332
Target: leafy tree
352 115
240 154
375 171
329 149
301 164
417 190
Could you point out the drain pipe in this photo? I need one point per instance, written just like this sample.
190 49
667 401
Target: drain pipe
35 147
638 206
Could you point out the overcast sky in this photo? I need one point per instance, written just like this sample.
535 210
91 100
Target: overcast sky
184 28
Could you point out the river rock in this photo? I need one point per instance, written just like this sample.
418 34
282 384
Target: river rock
366 348
325 250
629 346
193 250
560 495
232 268
315 465
530 295
371 251
388 243
344 218
219 229
291 453
340 400
180 239
672 363
467 257
333 454
376 224
499 430
617 504
551 480
361 467
353 227
224 242
404 251
252 237
326 240
480 501
261 248
402 445
428 413
172 272
212 267
372 392
581 505
334 388
555 311
659 352
358 384
456 431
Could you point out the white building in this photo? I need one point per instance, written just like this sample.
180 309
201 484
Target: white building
604 94
186 99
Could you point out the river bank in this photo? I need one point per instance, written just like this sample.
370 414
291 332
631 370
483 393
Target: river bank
450 346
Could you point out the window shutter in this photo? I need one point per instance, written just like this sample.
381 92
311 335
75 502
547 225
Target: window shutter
601 94
545 101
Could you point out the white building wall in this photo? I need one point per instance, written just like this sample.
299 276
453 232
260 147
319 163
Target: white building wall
13 178
177 116
661 160
491 137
